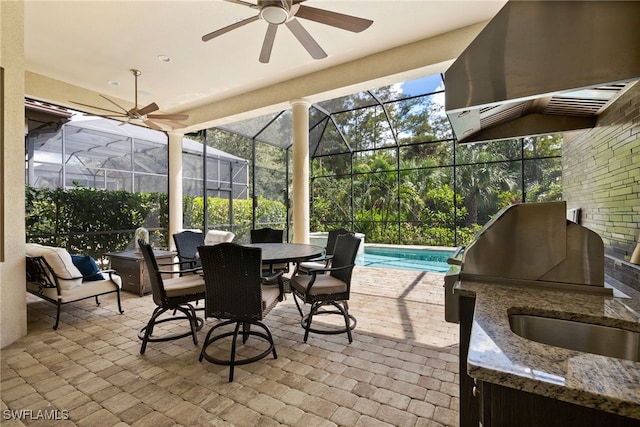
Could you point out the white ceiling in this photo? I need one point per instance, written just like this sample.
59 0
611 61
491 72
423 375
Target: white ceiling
88 43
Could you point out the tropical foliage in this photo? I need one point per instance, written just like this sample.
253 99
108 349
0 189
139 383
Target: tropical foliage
272 214
414 185
394 172
93 222
391 170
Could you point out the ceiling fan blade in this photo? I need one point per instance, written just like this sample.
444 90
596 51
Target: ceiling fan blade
244 3
152 125
99 108
267 44
305 39
168 116
113 102
228 28
148 109
335 19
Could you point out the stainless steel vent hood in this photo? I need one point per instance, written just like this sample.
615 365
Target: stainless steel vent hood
543 67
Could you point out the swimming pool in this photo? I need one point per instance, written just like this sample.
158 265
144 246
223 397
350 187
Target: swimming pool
407 258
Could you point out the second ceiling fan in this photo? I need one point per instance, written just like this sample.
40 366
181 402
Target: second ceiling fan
154 121
278 12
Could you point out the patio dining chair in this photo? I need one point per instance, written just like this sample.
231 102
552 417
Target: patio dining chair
320 289
269 235
266 235
175 294
187 243
235 294
324 261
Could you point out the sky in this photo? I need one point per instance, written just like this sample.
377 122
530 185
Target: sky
423 85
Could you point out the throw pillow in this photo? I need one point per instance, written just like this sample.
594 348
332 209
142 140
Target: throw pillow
87 267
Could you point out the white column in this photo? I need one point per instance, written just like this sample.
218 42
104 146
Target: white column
13 304
300 171
175 184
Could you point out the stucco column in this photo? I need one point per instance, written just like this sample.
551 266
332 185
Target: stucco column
175 184
300 171
13 303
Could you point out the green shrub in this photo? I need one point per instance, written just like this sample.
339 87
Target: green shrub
92 222
268 213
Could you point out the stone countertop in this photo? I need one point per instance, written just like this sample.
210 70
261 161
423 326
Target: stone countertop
499 356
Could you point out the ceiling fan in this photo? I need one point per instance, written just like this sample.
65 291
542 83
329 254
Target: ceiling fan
154 121
278 12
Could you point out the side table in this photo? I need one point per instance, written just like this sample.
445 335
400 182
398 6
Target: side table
131 267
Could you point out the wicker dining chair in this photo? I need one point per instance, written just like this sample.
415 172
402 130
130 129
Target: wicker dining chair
266 235
235 294
269 235
174 294
320 289
324 261
187 243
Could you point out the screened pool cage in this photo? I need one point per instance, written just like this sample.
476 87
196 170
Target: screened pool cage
105 154
384 162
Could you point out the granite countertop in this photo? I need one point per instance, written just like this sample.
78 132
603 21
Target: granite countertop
499 356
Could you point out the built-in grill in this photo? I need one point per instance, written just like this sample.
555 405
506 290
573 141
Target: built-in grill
532 245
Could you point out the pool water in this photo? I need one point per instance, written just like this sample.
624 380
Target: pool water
406 258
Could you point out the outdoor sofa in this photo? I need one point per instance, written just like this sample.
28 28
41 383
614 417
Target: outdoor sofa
57 277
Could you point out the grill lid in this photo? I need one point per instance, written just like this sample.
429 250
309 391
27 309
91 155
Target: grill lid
535 243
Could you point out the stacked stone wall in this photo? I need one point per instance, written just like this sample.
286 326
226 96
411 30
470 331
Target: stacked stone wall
601 175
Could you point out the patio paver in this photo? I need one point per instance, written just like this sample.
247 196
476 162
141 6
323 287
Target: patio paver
401 368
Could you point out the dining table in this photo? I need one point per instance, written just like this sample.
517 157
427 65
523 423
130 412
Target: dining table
277 253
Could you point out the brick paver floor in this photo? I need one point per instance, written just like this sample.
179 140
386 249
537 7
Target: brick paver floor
400 370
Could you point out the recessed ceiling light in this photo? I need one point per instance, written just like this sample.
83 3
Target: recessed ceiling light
114 83
164 58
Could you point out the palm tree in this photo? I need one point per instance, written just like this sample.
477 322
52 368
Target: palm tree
482 173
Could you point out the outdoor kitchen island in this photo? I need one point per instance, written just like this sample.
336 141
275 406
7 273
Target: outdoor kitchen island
509 380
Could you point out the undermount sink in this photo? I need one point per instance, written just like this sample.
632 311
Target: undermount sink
574 335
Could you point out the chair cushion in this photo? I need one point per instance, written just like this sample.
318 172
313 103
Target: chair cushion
60 262
270 297
185 285
218 236
87 267
283 266
310 265
325 284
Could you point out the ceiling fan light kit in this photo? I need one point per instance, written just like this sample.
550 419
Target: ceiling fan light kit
274 14
278 12
154 121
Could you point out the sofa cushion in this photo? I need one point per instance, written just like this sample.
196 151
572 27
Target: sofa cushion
88 289
60 262
87 267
